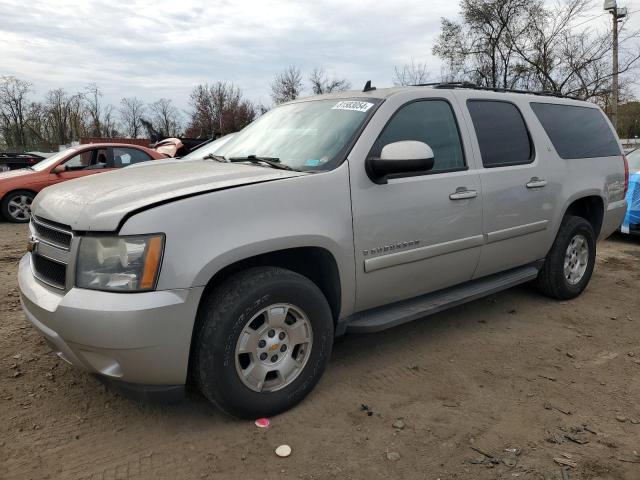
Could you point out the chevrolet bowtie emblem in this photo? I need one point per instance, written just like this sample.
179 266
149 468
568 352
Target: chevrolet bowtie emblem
273 347
33 244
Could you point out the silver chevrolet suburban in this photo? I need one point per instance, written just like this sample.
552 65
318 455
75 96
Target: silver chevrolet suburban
234 268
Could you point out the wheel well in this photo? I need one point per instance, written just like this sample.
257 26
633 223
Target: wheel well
4 197
17 190
591 209
315 263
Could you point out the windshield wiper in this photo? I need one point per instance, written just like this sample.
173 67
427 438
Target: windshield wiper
217 158
271 161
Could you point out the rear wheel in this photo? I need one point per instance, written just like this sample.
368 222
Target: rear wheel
569 264
16 206
263 341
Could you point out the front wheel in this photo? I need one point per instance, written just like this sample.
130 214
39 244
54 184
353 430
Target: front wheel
263 341
16 206
569 264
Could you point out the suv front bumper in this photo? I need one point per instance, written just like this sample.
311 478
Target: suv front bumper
129 338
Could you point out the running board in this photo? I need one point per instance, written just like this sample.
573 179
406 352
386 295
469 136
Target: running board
388 316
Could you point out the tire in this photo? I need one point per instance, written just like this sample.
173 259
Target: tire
552 280
10 206
234 309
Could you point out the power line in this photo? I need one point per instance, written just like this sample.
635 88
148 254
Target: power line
600 15
590 19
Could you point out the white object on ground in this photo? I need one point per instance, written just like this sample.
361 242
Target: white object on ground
283 451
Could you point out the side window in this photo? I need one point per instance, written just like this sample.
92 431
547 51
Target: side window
128 156
502 134
577 132
99 159
83 160
78 162
431 122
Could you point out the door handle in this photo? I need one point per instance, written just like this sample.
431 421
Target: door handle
536 182
462 193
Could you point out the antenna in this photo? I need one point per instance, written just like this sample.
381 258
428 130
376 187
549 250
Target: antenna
368 87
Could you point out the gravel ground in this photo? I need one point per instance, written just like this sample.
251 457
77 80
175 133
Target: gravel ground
511 386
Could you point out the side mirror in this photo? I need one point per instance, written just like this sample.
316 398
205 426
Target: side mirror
404 158
58 169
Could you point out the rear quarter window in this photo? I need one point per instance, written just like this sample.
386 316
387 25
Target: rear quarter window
577 132
123 157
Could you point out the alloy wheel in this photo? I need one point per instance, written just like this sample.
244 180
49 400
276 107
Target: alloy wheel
273 347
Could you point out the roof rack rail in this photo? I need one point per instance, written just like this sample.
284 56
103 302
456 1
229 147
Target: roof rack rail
473 86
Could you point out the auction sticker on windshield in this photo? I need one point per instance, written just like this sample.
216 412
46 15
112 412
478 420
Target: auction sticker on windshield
352 105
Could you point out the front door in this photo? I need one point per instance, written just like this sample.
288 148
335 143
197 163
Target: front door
420 233
85 163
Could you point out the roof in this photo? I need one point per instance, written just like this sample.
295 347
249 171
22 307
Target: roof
379 93
109 144
384 93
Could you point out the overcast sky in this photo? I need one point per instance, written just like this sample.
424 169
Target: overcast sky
162 48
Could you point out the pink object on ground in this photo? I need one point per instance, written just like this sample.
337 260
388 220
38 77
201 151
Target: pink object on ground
263 423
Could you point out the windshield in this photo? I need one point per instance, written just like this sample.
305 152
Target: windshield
634 161
312 135
52 160
208 148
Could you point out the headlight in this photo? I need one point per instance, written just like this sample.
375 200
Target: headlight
127 264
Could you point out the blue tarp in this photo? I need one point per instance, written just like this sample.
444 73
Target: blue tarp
633 203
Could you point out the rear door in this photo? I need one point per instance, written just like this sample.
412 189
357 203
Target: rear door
419 233
517 205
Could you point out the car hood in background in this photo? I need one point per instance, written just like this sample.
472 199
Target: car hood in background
100 202
16 173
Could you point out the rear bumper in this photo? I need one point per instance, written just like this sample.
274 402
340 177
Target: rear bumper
613 218
137 338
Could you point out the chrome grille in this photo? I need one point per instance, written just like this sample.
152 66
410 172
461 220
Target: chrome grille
53 233
49 271
51 251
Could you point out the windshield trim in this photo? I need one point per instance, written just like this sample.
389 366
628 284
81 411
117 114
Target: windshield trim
197 154
342 157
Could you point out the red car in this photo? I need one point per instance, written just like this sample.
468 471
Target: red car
19 187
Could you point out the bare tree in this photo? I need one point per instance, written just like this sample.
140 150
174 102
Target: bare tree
165 117
131 113
78 123
321 83
109 123
14 103
479 48
58 115
411 74
218 109
565 60
287 85
93 107
531 44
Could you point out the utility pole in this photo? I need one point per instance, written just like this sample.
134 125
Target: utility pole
617 14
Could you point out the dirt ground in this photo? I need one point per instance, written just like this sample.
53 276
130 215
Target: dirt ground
519 377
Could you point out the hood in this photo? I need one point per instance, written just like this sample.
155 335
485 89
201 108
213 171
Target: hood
100 202
16 173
